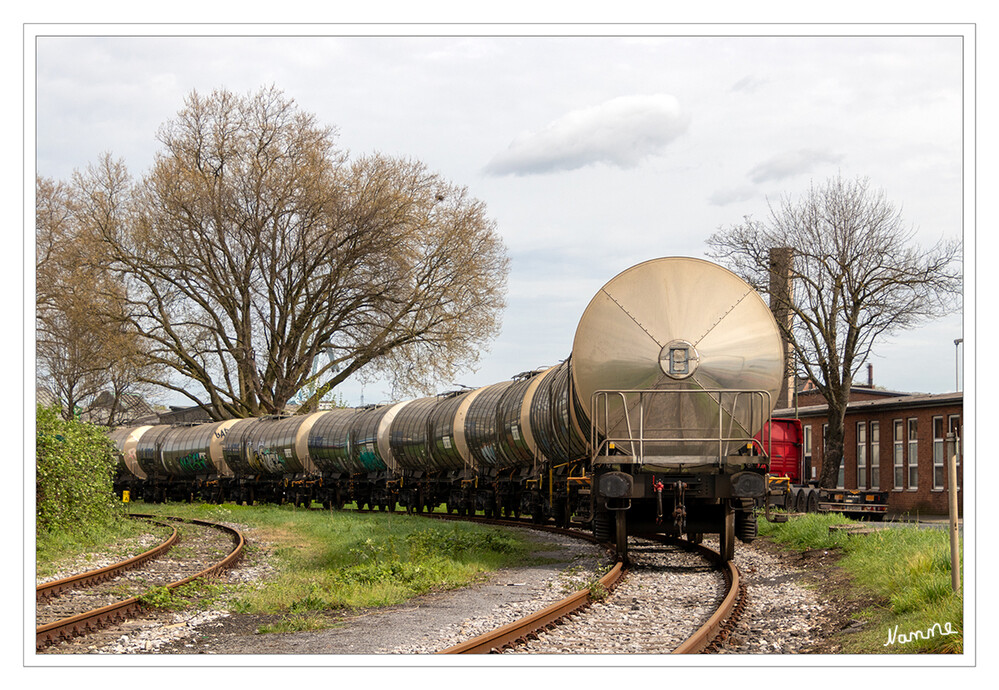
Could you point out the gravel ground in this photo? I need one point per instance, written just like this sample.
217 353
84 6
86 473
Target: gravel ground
197 547
667 595
784 615
127 548
423 625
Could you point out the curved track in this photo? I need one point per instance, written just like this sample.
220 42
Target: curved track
80 624
48 590
718 626
705 639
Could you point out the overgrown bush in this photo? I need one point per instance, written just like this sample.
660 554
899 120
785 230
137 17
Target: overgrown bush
75 467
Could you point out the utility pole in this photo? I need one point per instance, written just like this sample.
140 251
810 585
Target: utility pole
955 551
957 367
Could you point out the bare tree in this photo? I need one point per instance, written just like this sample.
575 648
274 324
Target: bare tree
82 345
254 246
857 276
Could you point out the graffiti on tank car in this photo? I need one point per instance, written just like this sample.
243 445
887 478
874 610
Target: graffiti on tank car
193 462
369 457
489 453
267 459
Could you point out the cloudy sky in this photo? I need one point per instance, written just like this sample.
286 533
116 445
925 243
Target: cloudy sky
592 153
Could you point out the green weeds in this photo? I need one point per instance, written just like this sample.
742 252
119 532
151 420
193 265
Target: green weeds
297 622
907 570
56 550
332 561
199 593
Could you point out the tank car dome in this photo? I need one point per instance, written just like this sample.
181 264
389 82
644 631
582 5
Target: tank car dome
678 323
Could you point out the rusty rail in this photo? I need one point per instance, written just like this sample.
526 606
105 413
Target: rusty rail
526 628
91 577
98 618
706 638
716 628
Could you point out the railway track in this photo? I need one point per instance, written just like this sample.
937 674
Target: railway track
522 634
47 590
89 601
554 621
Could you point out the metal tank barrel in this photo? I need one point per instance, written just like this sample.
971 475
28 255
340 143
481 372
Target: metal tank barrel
410 436
188 451
699 351
330 441
148 453
553 423
126 440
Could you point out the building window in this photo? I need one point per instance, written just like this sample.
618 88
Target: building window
899 454
875 455
861 455
913 456
807 451
939 453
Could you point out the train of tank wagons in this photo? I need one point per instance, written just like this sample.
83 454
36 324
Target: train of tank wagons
652 425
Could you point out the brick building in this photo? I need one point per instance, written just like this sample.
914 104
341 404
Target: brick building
893 442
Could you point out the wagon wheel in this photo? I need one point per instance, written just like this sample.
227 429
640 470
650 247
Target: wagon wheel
621 534
726 538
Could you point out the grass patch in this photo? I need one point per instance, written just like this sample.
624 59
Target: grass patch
201 593
55 551
907 569
297 622
337 561
808 532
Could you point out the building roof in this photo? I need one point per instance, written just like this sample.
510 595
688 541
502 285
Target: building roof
131 409
899 402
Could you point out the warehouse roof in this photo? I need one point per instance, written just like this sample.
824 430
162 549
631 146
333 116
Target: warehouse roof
899 402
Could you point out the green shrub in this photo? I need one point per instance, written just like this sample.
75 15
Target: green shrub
75 466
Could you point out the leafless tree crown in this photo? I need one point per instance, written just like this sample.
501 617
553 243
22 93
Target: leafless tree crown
857 276
254 248
83 347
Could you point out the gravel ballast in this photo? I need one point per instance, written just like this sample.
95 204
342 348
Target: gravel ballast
783 615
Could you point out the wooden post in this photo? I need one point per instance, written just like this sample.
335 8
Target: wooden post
955 552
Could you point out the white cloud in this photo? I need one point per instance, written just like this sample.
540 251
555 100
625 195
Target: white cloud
790 164
620 132
724 197
749 84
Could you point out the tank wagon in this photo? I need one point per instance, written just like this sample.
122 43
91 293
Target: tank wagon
647 427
